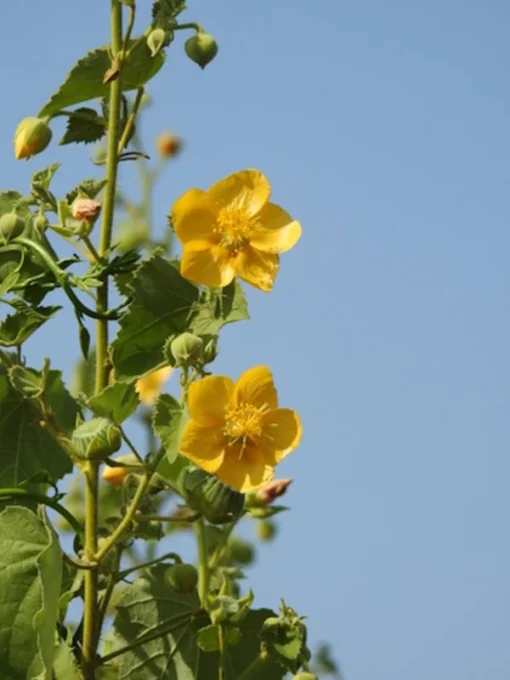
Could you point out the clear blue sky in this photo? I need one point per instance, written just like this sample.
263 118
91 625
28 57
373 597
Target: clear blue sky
383 127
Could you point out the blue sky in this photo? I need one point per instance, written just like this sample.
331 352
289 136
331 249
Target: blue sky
383 127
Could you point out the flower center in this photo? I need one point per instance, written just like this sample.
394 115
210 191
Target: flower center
234 227
242 423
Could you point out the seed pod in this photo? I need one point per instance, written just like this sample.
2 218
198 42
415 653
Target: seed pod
182 577
201 48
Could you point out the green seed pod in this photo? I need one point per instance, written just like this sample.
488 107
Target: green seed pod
266 530
156 40
201 48
187 349
240 551
182 577
96 439
31 137
11 225
216 501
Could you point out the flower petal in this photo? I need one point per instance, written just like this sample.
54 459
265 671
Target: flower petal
149 386
244 471
275 230
194 216
204 446
248 189
208 399
206 264
281 434
256 387
257 268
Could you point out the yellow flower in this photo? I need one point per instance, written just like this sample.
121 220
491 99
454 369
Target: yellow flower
236 431
233 230
150 385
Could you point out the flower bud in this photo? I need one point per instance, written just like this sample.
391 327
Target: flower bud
11 225
201 48
268 493
156 40
183 578
187 349
116 475
240 551
96 439
211 350
40 222
85 209
31 137
266 530
168 145
216 501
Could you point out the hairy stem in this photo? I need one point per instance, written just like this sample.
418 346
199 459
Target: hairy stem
91 630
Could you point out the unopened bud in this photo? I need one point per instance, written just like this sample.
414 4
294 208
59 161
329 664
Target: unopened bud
85 209
156 40
240 551
182 577
201 48
168 145
31 137
268 493
211 350
11 225
187 349
116 475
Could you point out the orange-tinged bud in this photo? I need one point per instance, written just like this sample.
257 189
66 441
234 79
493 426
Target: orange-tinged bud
31 137
85 209
168 145
271 491
117 475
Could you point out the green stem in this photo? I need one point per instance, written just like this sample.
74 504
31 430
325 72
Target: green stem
112 581
91 630
203 565
221 644
195 27
163 629
91 248
130 121
44 500
144 565
169 518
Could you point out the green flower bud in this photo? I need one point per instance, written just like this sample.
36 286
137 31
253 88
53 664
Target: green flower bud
216 501
266 530
31 137
11 225
96 439
201 48
240 551
305 675
187 349
156 40
40 223
211 350
182 577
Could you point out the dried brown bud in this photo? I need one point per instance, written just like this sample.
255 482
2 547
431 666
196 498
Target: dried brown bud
85 209
272 490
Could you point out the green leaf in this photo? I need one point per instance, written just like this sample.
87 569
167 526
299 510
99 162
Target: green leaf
117 402
164 13
168 421
91 187
65 666
173 472
85 125
218 308
27 446
85 81
30 575
18 327
42 178
163 303
13 200
208 638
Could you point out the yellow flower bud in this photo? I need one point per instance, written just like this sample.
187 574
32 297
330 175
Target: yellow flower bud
31 137
201 48
168 145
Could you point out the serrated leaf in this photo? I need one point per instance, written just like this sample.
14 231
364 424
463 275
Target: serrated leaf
27 446
30 575
28 382
85 125
164 12
218 308
85 80
91 187
208 638
65 666
42 178
117 402
168 421
18 327
163 304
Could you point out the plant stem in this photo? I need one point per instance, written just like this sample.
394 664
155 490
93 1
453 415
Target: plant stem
91 630
221 644
130 121
44 500
203 565
144 565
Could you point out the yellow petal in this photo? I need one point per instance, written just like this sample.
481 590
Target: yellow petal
206 264
275 230
281 433
208 399
150 385
256 387
248 190
258 268
204 446
245 472
194 216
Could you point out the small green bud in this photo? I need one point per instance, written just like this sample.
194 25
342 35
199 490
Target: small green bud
201 48
206 494
96 439
156 40
266 530
31 137
40 223
183 578
305 675
240 551
187 349
11 225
